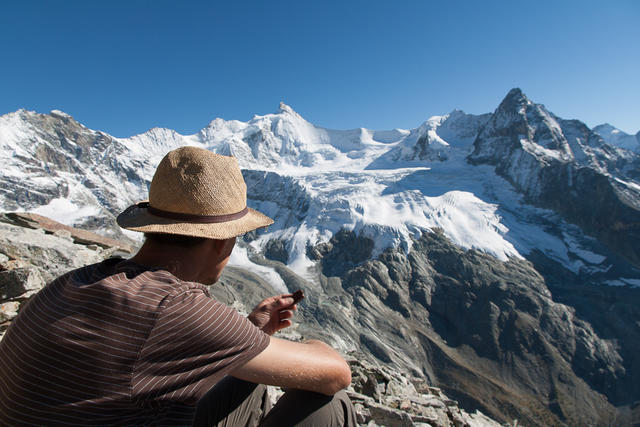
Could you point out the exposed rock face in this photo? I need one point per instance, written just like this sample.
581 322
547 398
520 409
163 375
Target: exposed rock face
562 165
491 333
293 201
51 253
19 283
343 252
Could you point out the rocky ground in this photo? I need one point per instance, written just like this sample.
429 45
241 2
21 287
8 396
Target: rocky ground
34 250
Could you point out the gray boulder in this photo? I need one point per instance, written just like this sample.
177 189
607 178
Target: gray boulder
20 283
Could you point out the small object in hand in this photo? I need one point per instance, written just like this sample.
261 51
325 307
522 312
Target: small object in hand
297 296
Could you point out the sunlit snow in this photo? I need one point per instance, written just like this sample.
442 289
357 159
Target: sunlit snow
66 212
387 185
240 258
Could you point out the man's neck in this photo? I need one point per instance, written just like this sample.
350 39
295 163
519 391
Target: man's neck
202 263
177 260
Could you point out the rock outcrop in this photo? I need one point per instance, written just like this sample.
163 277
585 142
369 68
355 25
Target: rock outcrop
383 397
34 250
492 334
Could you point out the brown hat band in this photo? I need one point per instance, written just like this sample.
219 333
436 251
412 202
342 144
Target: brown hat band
203 219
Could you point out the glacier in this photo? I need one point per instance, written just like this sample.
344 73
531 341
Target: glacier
389 185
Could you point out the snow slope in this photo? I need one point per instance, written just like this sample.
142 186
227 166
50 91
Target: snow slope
618 138
387 185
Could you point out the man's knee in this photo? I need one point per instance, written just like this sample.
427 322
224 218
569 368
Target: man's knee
306 408
232 402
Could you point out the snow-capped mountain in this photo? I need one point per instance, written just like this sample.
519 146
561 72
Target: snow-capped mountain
405 239
618 138
388 185
564 166
519 125
434 140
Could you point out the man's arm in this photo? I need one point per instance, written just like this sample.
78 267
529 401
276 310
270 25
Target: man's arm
311 365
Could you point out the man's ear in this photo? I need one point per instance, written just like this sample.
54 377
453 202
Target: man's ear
216 246
219 247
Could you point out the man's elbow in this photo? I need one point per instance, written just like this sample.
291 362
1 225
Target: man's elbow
345 377
340 380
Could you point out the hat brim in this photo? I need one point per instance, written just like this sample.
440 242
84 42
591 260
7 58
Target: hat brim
137 218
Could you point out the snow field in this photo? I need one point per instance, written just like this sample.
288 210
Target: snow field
325 180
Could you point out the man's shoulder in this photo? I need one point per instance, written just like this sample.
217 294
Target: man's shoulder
122 277
128 274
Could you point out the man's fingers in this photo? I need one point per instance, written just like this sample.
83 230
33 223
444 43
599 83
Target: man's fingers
285 301
284 324
286 314
275 302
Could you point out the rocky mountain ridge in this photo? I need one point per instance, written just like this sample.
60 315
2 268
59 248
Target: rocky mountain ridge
84 177
562 165
484 329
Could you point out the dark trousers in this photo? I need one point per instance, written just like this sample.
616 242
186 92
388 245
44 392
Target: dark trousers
234 403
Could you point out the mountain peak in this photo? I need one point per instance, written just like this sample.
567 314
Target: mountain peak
515 96
284 108
606 127
516 92
61 114
616 137
456 113
515 102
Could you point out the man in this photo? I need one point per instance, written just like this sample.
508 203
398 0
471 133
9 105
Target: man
140 342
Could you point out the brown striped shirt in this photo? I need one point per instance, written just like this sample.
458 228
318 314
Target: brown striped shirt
118 343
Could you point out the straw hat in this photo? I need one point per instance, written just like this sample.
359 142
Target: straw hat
195 192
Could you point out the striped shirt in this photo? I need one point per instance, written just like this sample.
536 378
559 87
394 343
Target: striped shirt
118 343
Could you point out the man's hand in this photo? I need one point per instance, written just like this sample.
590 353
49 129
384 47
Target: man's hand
310 365
273 313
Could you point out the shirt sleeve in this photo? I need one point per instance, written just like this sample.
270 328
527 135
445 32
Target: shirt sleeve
193 344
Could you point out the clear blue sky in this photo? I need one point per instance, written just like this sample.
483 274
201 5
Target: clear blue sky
126 66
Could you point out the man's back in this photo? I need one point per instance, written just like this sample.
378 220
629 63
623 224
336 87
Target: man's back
116 342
